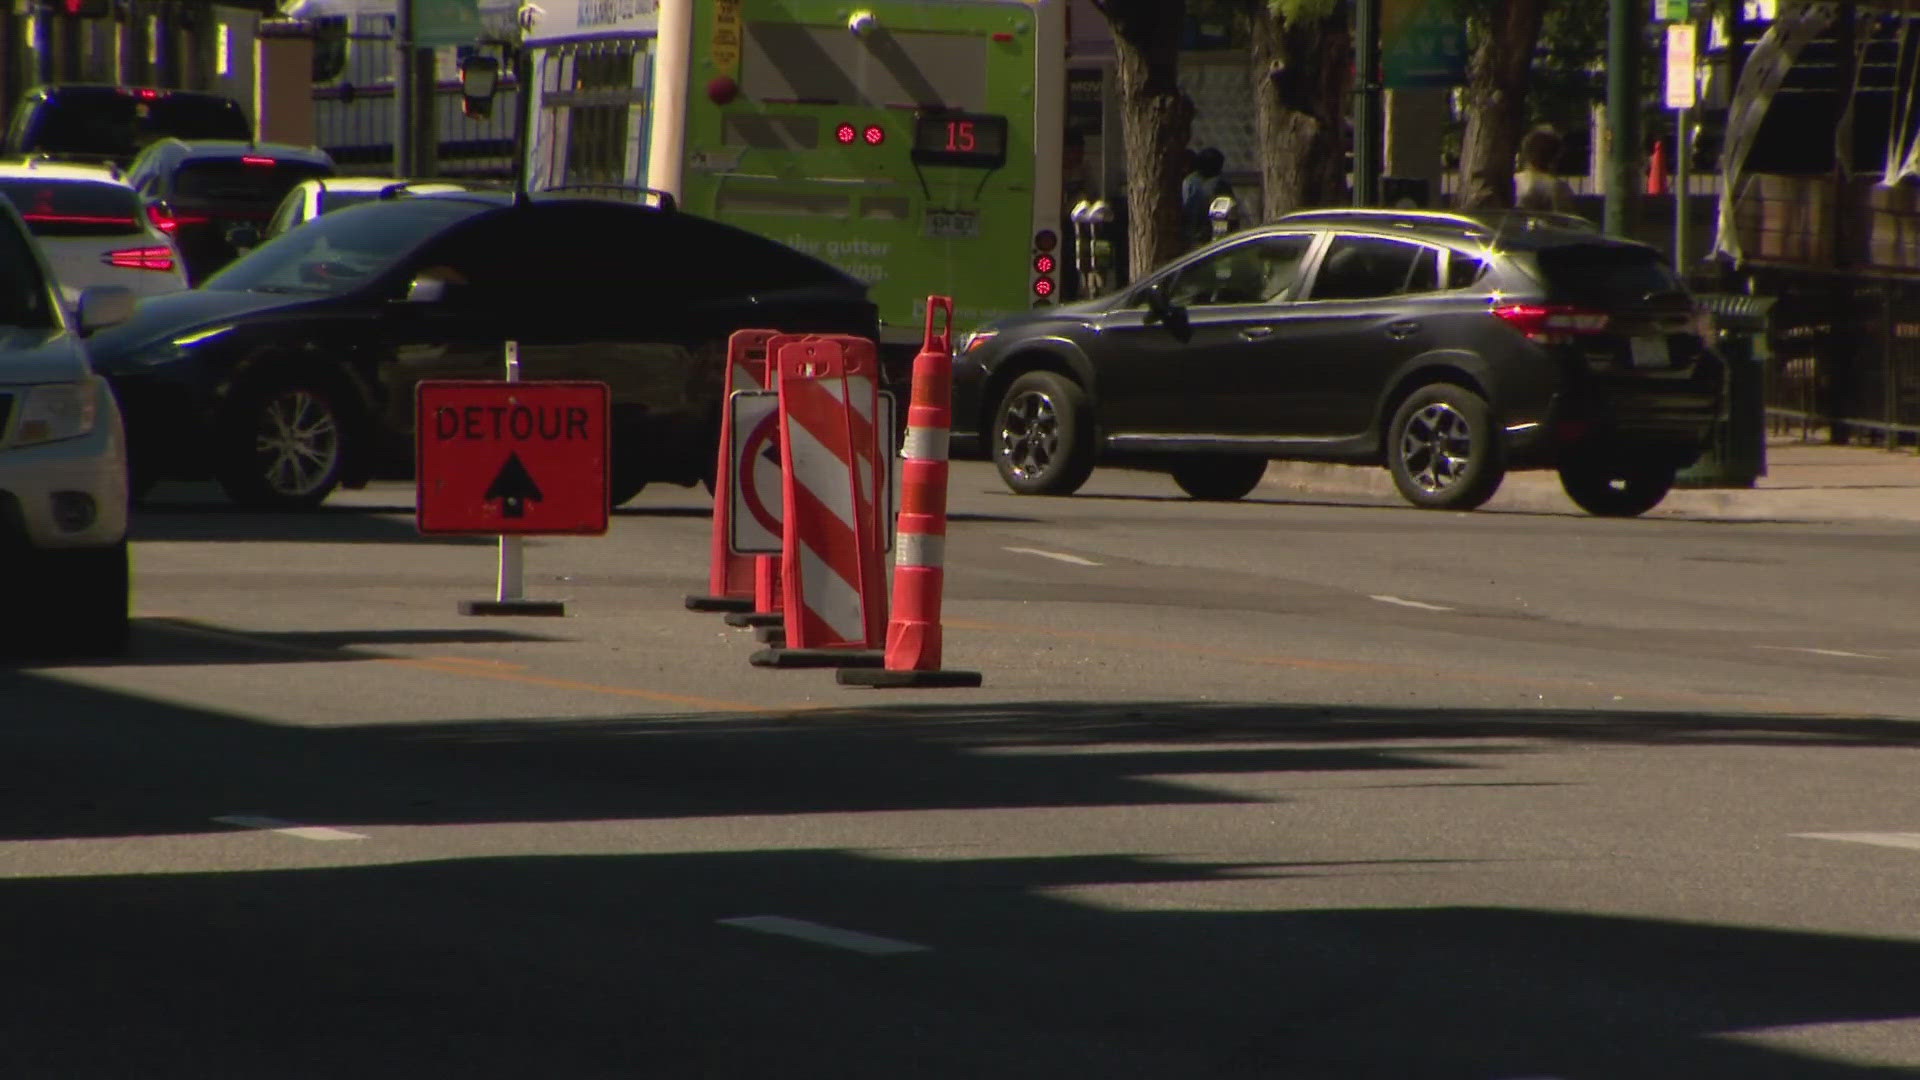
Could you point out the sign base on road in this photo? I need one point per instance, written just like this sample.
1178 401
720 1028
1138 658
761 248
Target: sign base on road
752 619
513 607
736 604
818 658
888 679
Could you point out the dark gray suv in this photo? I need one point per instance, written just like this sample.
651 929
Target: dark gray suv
1449 348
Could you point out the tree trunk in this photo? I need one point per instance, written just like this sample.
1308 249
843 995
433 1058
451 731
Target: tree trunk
1301 77
1496 101
1157 119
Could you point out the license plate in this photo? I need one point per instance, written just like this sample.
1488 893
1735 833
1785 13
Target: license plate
1650 352
952 224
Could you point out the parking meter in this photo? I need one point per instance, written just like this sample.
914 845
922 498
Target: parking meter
1099 248
1224 212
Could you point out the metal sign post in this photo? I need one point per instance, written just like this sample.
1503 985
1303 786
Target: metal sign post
1681 92
511 588
509 459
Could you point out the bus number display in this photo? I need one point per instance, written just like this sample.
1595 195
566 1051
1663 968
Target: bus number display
972 140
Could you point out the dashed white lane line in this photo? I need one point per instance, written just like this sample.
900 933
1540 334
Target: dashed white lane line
1908 840
825 935
1055 555
288 828
1409 603
1820 652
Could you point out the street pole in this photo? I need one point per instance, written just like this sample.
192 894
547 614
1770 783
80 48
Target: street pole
1624 22
1367 118
405 84
1682 152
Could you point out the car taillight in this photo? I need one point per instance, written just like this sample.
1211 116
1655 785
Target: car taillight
169 222
258 161
1551 324
144 258
76 219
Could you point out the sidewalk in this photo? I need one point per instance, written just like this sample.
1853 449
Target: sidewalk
1804 482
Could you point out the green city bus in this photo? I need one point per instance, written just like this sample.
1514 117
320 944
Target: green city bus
915 144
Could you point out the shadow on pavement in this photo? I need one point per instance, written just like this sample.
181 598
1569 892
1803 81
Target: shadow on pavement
323 524
619 965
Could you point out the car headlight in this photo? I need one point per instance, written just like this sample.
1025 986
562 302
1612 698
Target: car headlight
57 411
973 339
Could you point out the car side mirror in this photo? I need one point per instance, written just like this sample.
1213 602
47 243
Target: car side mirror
427 289
244 238
1165 310
102 306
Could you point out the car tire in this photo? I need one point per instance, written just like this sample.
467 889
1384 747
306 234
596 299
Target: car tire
283 445
1219 477
1043 435
1442 449
1616 489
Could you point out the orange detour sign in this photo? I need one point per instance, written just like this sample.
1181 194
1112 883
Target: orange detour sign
515 458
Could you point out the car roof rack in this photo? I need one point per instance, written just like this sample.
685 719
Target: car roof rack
633 193
1477 223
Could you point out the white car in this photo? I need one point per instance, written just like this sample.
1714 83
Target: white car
63 462
93 229
312 198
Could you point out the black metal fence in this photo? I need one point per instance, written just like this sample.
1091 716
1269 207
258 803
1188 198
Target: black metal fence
1845 358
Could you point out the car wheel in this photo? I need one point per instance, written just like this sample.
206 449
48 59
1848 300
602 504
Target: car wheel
1442 451
1043 435
285 446
1618 488
1219 477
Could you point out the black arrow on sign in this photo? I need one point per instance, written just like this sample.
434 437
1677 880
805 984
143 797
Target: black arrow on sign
512 486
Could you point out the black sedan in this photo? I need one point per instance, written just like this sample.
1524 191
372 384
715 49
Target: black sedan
293 370
1448 348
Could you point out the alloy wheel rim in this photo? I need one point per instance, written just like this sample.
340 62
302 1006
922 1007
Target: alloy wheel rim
1436 446
1030 434
298 443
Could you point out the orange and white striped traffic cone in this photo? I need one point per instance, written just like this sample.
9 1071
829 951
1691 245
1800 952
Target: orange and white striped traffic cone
919 568
730 577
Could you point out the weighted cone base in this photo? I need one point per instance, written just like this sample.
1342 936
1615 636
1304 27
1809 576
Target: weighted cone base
775 636
756 618
512 607
818 658
719 603
884 678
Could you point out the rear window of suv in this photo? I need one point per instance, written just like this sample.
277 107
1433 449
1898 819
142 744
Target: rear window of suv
246 184
1605 274
57 208
106 122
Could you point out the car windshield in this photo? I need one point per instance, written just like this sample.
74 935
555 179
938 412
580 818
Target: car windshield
339 252
23 293
332 200
112 123
247 187
1606 274
56 208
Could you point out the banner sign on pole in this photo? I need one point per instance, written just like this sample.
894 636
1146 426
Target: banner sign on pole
1681 88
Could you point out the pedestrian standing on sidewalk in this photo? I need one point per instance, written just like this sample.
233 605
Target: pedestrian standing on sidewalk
1536 186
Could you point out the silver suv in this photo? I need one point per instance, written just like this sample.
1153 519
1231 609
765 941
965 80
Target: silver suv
63 463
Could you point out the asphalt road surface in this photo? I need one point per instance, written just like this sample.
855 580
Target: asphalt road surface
1266 789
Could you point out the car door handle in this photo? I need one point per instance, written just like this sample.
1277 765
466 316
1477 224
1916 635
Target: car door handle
1405 328
1255 333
